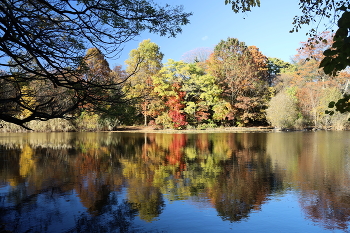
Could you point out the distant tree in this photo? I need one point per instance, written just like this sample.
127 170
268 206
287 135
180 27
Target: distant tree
147 61
98 67
338 120
45 41
202 94
98 71
308 59
312 80
336 58
275 68
282 111
197 55
242 73
308 101
311 85
169 85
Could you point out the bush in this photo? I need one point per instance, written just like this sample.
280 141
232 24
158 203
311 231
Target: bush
208 125
53 125
87 122
338 121
164 121
10 127
282 111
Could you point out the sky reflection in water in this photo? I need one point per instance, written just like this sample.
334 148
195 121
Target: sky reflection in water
207 182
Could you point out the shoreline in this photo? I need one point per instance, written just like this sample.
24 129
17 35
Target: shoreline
148 129
152 129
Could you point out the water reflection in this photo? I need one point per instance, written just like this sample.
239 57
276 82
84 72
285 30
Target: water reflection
318 166
104 181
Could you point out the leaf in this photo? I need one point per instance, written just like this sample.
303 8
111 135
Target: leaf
328 52
331 104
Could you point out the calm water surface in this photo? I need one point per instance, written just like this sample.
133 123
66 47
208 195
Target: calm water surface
205 182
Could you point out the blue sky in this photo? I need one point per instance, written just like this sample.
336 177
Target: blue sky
266 27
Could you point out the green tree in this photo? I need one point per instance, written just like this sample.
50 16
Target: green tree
147 61
275 68
46 41
169 85
202 94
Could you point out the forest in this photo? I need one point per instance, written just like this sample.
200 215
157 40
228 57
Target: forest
233 85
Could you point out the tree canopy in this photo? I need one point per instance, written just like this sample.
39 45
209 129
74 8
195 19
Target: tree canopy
43 43
147 59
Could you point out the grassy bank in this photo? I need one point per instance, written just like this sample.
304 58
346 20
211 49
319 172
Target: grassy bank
95 125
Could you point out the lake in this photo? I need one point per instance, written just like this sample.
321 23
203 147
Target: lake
165 182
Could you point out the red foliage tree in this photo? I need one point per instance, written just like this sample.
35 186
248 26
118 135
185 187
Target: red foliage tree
176 107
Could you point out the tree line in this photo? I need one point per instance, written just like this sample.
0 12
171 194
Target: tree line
45 73
236 85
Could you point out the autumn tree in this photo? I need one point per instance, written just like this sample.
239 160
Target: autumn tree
202 94
168 84
98 71
336 58
45 41
242 73
109 107
147 61
310 88
312 81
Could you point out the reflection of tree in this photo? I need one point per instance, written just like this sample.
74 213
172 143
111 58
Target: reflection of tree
176 150
142 194
35 215
231 170
94 180
114 217
38 173
146 199
240 190
27 212
323 178
327 207
245 182
87 168
317 165
26 161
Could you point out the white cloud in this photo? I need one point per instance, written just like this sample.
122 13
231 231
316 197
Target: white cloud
205 38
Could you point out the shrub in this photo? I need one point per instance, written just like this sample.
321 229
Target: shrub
282 111
338 121
52 125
